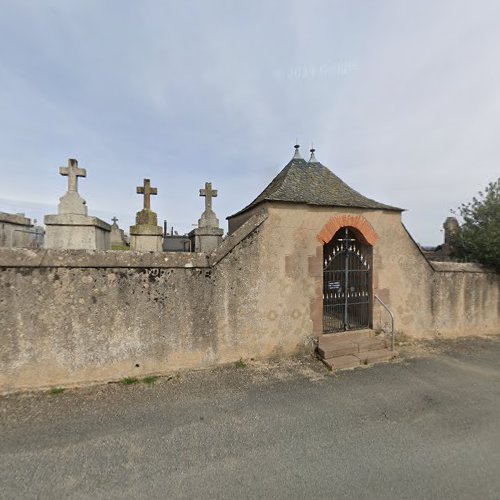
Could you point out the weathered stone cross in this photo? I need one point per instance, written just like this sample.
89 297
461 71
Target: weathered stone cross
115 220
73 172
147 191
208 193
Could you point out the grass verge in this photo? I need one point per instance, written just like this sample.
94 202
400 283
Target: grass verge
240 363
129 380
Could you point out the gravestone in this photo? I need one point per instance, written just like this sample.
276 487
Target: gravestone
451 228
146 235
16 230
72 228
175 242
118 240
208 235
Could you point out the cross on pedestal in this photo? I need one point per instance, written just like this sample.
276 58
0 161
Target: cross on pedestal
72 172
208 193
147 191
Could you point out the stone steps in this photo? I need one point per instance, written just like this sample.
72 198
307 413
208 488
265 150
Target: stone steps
345 350
333 338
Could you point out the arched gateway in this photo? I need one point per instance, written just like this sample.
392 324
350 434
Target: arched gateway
347 282
306 195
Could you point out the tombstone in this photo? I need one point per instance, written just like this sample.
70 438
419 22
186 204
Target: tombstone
16 230
146 235
451 228
175 242
72 228
118 239
208 235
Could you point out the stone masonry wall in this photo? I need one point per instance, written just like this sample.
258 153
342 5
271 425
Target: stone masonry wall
75 325
426 298
465 300
78 317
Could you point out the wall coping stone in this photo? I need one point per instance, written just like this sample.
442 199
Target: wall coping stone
42 257
237 237
22 257
460 267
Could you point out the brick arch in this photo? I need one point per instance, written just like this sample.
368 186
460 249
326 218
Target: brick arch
365 231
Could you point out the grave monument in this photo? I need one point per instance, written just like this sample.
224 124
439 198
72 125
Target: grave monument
146 235
72 228
208 235
16 230
118 239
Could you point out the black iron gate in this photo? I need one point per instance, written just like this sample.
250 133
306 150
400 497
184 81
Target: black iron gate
346 283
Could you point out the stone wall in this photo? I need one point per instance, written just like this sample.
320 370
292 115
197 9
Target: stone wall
419 293
465 300
79 317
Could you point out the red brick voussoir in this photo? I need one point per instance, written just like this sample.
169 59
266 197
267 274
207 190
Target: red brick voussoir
365 231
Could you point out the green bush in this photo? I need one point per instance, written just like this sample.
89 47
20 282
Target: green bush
478 237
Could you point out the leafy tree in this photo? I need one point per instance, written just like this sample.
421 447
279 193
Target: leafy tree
478 237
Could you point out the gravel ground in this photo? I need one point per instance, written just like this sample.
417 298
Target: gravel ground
426 426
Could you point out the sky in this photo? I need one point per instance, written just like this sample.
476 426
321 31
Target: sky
401 99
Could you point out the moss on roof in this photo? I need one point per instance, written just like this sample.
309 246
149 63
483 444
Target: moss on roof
313 184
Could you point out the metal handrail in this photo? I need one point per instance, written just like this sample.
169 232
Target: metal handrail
392 319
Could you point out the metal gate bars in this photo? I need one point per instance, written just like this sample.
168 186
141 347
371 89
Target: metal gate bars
346 283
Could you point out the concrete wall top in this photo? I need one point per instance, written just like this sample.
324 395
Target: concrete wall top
24 257
17 219
460 267
237 236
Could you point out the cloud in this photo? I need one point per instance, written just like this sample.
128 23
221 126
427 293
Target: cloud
400 99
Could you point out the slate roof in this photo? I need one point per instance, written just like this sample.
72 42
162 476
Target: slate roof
313 184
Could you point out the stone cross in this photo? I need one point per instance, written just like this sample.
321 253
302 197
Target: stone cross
73 172
115 220
147 191
208 193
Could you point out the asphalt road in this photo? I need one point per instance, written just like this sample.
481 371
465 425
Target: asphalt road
426 427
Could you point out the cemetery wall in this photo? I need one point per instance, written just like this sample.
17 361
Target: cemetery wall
72 317
465 300
427 299
65 325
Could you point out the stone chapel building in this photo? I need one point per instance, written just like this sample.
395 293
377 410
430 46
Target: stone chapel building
335 260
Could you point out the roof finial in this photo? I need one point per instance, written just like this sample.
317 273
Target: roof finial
312 159
297 156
